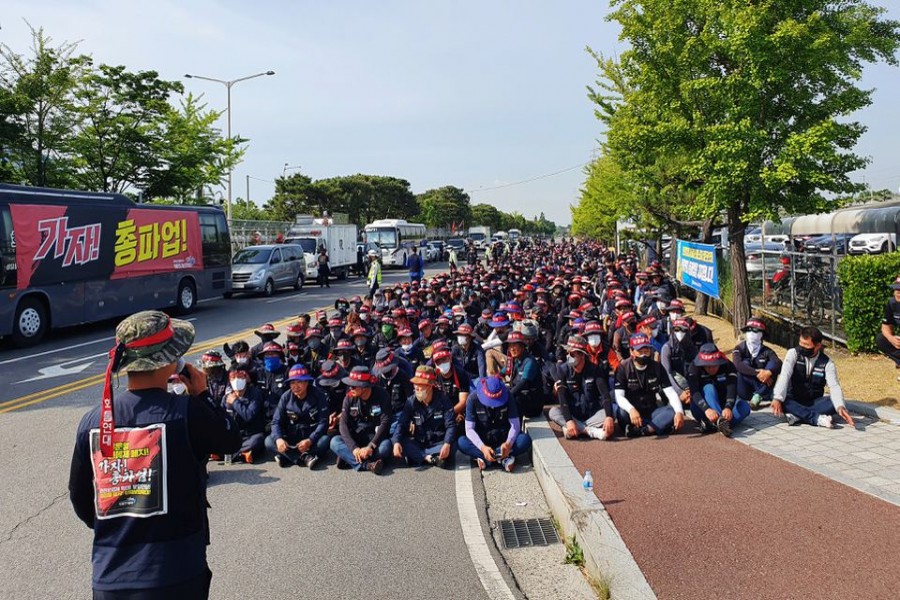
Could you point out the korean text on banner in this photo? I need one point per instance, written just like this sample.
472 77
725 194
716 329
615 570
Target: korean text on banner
697 267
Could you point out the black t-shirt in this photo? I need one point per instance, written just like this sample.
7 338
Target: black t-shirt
892 315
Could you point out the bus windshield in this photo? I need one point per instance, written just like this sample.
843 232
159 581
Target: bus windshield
252 256
385 238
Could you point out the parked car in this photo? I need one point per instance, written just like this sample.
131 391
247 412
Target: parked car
826 244
430 252
263 269
439 248
756 257
872 243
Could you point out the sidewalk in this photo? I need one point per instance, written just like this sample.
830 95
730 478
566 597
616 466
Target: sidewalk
776 512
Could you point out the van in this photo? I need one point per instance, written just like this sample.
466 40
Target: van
263 269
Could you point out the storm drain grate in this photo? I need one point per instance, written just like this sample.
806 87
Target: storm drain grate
522 533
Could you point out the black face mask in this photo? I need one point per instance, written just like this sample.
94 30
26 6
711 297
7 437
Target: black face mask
806 352
643 360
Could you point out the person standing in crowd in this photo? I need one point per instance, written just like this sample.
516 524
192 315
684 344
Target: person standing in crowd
799 393
426 431
757 365
373 279
299 426
415 265
364 443
322 262
887 340
585 407
493 428
149 545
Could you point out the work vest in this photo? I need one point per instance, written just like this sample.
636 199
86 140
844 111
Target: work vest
757 362
365 417
492 424
806 389
584 400
429 425
156 535
644 388
301 417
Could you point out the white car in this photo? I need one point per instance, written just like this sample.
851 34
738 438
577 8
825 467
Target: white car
872 243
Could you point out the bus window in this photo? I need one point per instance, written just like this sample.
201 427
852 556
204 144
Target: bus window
7 250
216 246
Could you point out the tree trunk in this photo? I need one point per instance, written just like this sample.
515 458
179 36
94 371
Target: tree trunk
740 284
702 306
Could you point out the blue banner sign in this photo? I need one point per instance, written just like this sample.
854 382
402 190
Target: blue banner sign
697 267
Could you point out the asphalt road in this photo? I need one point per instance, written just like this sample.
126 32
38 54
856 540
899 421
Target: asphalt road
276 533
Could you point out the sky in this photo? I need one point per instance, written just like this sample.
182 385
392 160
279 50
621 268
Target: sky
489 96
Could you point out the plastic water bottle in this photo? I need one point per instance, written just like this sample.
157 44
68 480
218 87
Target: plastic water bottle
588 485
228 458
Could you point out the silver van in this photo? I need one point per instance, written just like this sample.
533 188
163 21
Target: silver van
263 269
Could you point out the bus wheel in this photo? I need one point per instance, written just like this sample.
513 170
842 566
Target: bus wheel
298 285
187 297
30 323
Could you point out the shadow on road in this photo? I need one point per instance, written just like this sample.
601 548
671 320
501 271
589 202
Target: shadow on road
243 476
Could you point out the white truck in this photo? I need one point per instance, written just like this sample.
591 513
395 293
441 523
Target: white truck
313 234
481 235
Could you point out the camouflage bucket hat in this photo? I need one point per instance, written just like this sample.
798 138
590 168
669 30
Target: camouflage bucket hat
174 338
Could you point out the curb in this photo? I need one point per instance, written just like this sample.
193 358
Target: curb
606 555
884 413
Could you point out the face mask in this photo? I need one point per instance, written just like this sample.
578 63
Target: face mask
360 343
238 384
364 317
242 360
679 335
462 340
314 343
571 360
642 361
806 352
753 338
177 388
295 357
661 305
594 340
406 347
272 363
405 303
444 368
421 395
387 330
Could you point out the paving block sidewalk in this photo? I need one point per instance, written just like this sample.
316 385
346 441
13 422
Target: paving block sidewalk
776 512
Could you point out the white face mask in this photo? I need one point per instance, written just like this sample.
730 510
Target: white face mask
444 368
407 347
405 303
177 388
421 395
242 360
571 361
679 335
753 338
239 384
661 305
462 340
594 341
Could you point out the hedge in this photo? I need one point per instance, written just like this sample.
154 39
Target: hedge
865 282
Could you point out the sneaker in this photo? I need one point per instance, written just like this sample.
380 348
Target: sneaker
792 419
706 427
282 461
508 463
597 433
755 401
824 421
341 464
632 432
309 460
439 462
481 464
724 427
247 456
375 466
430 459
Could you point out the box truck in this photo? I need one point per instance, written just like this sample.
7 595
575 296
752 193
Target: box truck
313 234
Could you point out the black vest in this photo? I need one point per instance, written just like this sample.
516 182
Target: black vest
644 388
492 424
584 400
806 389
429 425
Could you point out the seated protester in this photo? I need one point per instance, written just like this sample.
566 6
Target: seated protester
245 402
452 379
240 356
335 331
713 384
597 348
364 443
621 350
299 426
523 377
888 339
493 347
426 338
314 354
700 334
581 389
442 328
344 353
426 433
409 350
395 381
216 378
482 329
800 390
364 349
676 357
647 404
272 377
675 311
387 337
493 427
334 390
467 352
267 333
650 326
296 331
757 365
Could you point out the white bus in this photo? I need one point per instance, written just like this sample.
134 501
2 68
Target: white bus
395 237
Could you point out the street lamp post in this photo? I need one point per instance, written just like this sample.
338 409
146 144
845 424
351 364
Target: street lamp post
228 84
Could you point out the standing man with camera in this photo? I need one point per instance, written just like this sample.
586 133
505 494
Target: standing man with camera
138 472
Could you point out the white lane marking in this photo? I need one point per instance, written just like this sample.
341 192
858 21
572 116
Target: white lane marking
30 356
488 572
57 371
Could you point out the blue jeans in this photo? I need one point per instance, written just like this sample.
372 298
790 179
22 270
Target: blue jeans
748 385
320 448
339 447
415 452
521 445
738 413
662 419
809 414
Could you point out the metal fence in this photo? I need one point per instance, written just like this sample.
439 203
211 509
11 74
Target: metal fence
248 233
798 287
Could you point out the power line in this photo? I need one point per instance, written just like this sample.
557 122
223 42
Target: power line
544 176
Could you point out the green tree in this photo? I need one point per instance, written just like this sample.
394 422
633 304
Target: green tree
123 118
487 215
441 207
746 105
38 113
295 195
606 197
